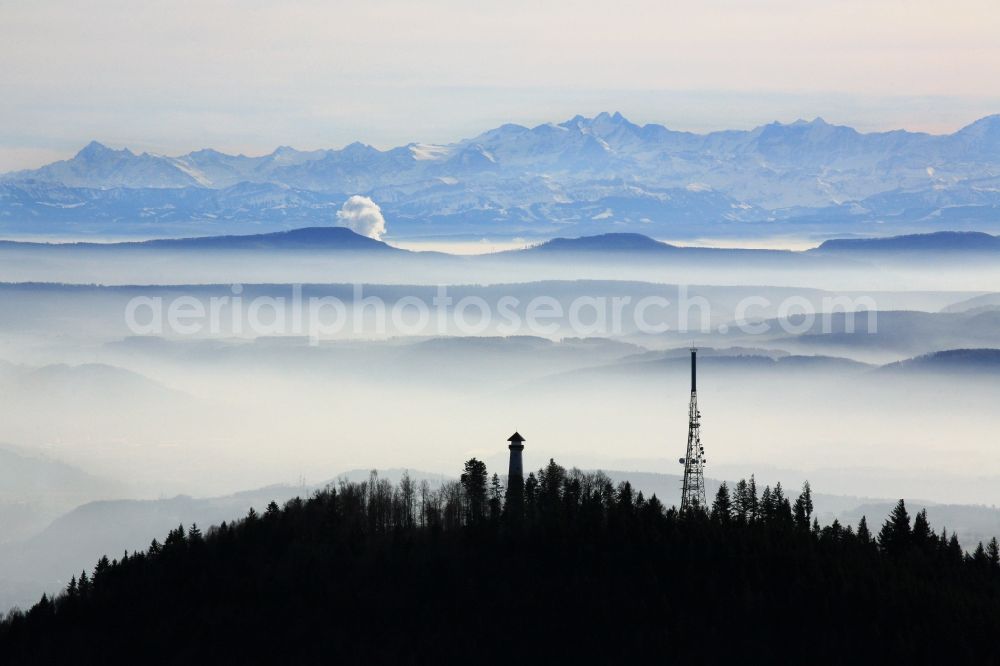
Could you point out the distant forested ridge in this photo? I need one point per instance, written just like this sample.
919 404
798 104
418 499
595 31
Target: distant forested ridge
567 568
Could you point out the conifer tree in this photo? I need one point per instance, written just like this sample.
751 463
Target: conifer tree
777 494
100 570
194 535
84 585
722 507
550 484
955 549
782 507
474 480
272 510
175 538
766 505
625 495
834 532
754 504
922 536
530 504
896 536
864 535
741 502
531 488
43 609
802 511
496 497
993 552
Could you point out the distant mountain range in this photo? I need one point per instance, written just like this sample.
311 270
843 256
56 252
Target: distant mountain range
613 242
34 489
582 176
951 360
309 238
941 241
612 245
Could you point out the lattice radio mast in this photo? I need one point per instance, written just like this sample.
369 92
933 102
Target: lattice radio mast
693 490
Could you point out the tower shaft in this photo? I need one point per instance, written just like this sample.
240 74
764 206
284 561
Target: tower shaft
514 502
693 489
516 468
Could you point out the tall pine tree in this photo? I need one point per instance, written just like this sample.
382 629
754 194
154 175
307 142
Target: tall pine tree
722 507
895 535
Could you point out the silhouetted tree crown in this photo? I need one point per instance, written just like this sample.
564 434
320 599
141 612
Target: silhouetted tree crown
895 535
474 480
803 509
722 509
864 535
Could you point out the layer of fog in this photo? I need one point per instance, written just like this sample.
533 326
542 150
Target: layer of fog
90 411
694 266
214 417
40 318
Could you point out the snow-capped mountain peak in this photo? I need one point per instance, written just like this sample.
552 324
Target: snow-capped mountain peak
605 170
96 150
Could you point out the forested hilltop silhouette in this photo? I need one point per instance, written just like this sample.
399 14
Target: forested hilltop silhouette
569 567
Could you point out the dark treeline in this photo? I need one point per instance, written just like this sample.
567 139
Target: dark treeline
567 566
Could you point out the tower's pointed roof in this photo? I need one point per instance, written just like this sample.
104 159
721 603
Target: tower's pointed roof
516 438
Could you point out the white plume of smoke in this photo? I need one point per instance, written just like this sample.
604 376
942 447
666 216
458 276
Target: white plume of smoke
362 216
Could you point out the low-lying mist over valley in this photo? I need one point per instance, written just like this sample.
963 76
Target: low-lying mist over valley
141 380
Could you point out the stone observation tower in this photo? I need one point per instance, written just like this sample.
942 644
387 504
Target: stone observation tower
516 468
515 476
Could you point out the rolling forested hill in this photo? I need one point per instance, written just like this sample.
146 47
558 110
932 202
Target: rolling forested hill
571 567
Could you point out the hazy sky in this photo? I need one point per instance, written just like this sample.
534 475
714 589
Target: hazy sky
249 75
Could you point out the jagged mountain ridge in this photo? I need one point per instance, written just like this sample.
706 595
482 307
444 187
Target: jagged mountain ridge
593 174
579 144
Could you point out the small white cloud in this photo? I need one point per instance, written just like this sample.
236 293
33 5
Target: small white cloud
362 216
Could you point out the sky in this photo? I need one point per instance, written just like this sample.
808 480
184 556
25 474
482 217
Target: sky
249 75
